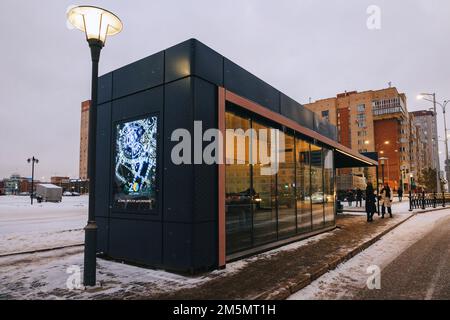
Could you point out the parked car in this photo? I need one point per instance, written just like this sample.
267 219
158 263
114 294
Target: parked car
75 194
67 194
316 197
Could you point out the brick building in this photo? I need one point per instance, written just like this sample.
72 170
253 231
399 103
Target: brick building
84 131
375 121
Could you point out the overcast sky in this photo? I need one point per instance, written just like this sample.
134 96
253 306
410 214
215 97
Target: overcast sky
305 48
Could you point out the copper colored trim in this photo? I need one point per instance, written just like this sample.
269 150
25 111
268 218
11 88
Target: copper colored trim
221 186
266 113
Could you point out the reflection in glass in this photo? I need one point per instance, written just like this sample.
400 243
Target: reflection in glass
286 190
265 211
317 195
303 186
238 191
265 208
329 186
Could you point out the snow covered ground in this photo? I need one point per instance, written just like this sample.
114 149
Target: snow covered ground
45 275
44 225
397 207
351 276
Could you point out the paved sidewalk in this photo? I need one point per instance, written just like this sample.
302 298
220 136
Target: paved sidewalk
278 274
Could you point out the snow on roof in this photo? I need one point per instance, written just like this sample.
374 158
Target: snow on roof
49 186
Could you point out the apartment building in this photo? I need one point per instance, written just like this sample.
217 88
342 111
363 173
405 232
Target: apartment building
375 121
426 121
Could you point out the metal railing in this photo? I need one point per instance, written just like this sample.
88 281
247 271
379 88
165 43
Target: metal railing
421 201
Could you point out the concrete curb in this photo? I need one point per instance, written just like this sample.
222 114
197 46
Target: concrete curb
40 250
284 290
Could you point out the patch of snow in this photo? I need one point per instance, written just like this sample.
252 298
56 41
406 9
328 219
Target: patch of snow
24 227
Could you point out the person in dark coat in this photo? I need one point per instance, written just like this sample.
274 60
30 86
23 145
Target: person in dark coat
400 194
350 197
386 200
359 197
370 202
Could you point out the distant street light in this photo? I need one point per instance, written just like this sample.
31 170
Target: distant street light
97 24
423 96
33 161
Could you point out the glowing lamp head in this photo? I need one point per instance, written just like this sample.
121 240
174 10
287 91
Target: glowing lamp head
97 23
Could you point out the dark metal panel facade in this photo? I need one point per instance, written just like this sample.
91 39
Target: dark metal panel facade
247 85
178 190
105 88
193 58
140 75
205 190
136 241
103 164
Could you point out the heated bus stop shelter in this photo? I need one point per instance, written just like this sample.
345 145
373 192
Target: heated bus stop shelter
192 217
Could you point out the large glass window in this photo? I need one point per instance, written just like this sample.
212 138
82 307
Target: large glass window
328 175
265 211
317 194
303 186
261 207
238 197
286 189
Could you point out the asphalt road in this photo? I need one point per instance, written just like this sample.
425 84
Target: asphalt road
421 272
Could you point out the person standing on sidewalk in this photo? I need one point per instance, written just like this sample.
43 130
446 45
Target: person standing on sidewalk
350 197
370 202
400 194
386 199
359 196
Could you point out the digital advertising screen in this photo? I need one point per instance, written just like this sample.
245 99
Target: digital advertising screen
135 164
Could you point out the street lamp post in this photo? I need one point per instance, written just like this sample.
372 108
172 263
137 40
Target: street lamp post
97 24
33 161
382 160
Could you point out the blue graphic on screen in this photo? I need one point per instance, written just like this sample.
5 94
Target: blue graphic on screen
135 167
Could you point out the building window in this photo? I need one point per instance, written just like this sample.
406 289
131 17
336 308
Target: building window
238 192
265 212
303 175
361 108
286 190
328 175
326 115
317 195
361 119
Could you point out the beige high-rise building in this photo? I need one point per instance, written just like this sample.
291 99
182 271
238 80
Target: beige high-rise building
374 121
426 121
84 141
